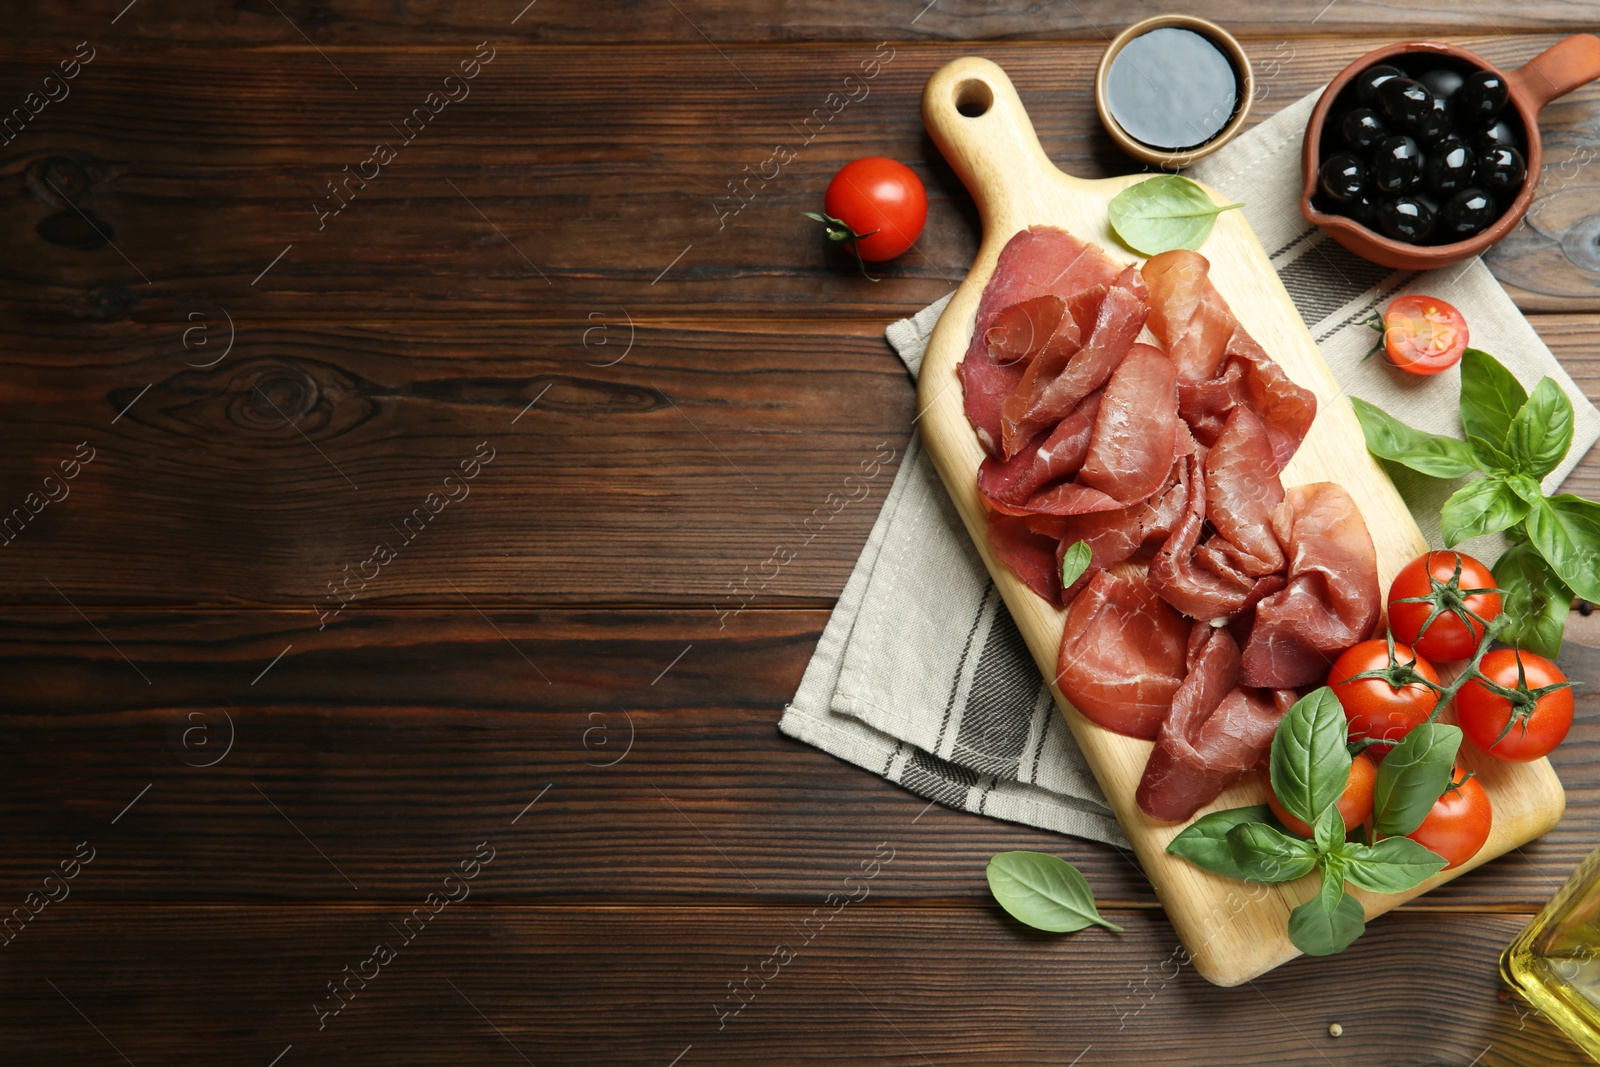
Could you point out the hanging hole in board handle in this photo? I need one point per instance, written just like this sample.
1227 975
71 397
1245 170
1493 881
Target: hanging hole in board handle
974 98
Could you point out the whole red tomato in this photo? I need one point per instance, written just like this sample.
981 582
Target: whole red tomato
882 201
1433 601
1355 803
1459 823
1523 714
1423 334
1385 708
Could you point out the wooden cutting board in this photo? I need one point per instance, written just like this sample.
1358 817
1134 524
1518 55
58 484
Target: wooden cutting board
1232 930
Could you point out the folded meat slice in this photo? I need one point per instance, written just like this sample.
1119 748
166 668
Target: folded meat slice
1115 536
1122 655
1008 483
1242 489
1216 732
1053 386
1136 430
1331 599
1187 313
1039 261
1018 332
1030 555
1175 575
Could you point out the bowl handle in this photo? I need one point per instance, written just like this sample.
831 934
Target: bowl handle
1558 70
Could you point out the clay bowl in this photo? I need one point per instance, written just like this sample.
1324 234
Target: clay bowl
1554 72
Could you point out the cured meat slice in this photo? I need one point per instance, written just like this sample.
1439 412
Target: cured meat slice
1187 313
1286 408
1216 732
1331 599
1038 261
1136 431
1031 556
1007 484
1122 655
1196 591
1053 386
1242 489
1019 331
1115 536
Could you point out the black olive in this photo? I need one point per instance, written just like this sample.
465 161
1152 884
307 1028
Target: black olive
1442 83
1450 166
1366 83
1501 133
1406 219
1362 208
1502 167
1435 122
1343 176
1404 102
1465 214
1481 97
1362 129
1396 166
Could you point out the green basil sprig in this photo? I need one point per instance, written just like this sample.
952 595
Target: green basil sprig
1513 439
1309 768
1163 213
1044 891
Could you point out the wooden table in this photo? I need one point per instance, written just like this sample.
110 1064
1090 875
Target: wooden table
535 756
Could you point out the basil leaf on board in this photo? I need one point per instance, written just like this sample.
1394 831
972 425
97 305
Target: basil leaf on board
1310 765
1318 932
1566 531
1044 892
1487 505
1267 854
1428 453
1329 830
1491 396
1163 213
1204 842
1074 561
1393 865
1412 776
1331 889
1536 601
1541 432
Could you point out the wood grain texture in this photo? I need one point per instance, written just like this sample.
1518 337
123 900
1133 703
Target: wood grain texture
874 984
999 159
203 165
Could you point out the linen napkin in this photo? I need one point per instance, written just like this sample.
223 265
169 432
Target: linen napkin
922 677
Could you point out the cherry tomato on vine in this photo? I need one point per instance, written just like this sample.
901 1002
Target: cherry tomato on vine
1459 823
1422 334
881 205
1521 714
1433 601
1388 704
1355 803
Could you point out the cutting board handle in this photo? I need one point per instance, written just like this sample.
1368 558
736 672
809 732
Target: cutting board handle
973 113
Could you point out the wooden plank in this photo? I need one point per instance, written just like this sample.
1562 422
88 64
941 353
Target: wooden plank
392 734
610 195
874 984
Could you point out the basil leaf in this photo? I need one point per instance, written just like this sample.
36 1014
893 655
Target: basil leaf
1074 561
1393 865
1536 601
1526 487
1043 891
1163 213
1491 458
1487 505
1204 842
1310 765
1319 932
1412 776
1330 830
1566 531
1541 432
1331 889
1267 854
1429 453
1491 396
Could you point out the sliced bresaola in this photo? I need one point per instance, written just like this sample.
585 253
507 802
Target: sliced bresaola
1179 577
1136 429
1242 490
1216 732
1187 313
1331 599
1007 484
1122 655
1018 332
1116 536
1039 261
1053 388
1030 555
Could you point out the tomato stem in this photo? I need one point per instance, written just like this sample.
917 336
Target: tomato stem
839 230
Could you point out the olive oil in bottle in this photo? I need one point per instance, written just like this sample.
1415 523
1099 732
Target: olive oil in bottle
1555 963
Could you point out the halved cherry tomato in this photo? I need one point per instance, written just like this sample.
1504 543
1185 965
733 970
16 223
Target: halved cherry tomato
1387 707
1423 334
1459 823
1355 803
882 202
1529 715
1439 603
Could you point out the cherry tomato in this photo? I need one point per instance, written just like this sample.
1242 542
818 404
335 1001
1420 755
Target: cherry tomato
1374 707
882 201
1532 722
1355 803
1444 601
1459 823
1423 334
